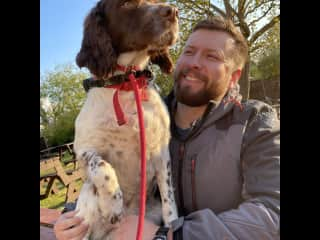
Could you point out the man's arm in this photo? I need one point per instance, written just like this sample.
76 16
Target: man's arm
258 217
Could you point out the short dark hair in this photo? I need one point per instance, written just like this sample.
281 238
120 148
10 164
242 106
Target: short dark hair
239 52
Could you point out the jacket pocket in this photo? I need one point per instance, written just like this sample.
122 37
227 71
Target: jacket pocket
193 184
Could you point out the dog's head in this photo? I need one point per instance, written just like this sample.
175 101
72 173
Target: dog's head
118 26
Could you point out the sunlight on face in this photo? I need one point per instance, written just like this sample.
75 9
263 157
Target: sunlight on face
203 69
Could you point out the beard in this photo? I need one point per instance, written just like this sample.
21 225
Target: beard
212 89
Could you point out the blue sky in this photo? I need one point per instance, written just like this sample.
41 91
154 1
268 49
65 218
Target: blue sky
61 23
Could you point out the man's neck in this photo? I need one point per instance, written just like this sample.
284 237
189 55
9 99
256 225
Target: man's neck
186 115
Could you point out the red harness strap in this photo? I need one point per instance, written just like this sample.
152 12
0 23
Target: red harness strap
142 84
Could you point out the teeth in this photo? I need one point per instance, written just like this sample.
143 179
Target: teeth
191 78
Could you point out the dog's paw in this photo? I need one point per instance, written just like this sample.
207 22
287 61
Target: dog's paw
103 175
105 187
116 207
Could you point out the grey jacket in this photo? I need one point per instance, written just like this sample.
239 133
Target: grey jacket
226 173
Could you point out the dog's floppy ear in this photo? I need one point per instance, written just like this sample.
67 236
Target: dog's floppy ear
97 52
163 60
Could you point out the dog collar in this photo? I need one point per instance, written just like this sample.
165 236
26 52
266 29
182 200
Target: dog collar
116 80
122 83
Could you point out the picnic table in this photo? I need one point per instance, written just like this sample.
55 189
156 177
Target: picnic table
58 150
56 174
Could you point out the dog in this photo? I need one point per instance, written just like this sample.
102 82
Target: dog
120 34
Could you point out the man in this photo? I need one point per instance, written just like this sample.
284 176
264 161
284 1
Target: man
225 154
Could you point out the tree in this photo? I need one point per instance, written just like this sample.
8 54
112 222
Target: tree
256 20
268 66
62 88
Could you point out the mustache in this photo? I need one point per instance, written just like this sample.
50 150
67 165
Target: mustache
195 73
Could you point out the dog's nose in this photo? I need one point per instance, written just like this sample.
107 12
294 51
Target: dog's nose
169 12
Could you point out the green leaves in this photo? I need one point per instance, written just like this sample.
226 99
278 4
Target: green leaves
63 94
268 66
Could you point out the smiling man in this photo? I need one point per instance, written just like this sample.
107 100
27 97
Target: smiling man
225 152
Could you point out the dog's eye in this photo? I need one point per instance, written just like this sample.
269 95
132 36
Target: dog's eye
128 4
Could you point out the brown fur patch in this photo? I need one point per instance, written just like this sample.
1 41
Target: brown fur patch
95 190
101 164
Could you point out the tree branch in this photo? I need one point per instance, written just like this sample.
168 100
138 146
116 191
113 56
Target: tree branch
239 14
229 9
241 4
264 29
254 8
263 15
255 47
194 7
221 12
246 6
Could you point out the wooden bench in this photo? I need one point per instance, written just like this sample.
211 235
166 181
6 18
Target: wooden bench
66 178
71 161
59 150
48 217
51 188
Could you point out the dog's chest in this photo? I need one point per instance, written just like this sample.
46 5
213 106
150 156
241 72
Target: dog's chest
97 128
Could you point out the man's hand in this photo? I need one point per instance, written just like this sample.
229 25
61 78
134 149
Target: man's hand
63 230
127 229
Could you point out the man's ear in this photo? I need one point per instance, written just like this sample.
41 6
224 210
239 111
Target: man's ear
235 76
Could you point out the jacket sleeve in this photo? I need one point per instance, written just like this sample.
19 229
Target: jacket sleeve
258 216
69 206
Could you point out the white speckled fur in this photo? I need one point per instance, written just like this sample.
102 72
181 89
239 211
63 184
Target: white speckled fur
98 138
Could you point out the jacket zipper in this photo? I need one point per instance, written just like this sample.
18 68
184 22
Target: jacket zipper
181 154
193 184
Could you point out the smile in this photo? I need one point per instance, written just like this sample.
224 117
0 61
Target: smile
192 79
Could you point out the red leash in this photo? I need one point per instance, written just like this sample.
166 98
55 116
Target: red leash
143 157
135 84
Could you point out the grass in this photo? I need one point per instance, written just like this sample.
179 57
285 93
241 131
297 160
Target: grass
57 201
54 201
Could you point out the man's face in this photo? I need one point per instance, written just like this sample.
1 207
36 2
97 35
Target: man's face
202 72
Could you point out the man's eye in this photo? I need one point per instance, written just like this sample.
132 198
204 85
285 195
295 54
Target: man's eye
188 52
213 57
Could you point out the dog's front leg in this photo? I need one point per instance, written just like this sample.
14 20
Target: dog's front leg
106 186
169 208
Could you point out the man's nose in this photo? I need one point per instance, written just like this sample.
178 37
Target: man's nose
195 61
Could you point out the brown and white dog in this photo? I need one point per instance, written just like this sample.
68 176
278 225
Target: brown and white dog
125 33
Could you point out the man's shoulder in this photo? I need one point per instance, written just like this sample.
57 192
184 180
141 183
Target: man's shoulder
254 104
260 112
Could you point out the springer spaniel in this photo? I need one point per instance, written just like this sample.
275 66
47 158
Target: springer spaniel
124 33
